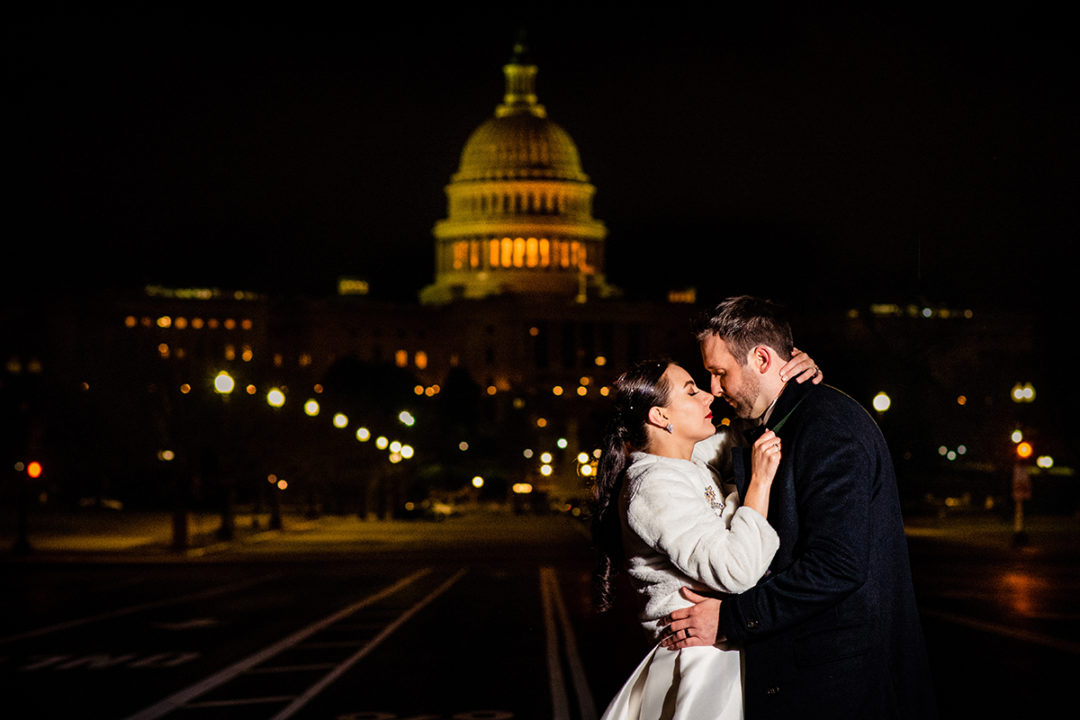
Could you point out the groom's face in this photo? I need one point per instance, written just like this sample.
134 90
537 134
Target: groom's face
728 379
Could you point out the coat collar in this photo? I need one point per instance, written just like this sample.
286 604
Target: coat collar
790 397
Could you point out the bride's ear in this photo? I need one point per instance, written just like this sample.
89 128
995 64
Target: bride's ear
657 417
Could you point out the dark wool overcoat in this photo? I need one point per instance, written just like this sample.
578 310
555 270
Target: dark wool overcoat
832 630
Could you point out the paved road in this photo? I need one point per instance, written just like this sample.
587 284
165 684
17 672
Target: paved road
478 617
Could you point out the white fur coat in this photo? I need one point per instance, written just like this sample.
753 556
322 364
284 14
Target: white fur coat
681 528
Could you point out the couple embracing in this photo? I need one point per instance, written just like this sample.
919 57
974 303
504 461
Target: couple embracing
771 560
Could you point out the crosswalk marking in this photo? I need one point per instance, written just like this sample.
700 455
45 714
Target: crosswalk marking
192 692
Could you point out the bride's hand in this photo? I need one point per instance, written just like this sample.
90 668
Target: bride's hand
801 367
765 457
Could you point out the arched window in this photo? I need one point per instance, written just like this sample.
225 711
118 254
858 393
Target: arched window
519 252
460 254
506 258
474 253
532 255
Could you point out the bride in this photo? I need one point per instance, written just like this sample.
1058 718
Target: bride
661 515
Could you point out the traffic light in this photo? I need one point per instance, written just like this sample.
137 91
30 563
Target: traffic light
33 469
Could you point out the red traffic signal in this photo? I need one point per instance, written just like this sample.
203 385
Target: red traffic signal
33 469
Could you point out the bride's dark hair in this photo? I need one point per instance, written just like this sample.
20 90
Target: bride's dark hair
637 390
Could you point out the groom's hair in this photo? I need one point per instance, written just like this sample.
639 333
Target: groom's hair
743 323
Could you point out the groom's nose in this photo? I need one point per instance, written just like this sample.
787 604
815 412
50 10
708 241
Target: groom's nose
716 387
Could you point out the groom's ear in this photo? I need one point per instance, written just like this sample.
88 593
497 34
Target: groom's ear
762 358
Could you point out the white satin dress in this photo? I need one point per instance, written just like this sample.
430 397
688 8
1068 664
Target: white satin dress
677 531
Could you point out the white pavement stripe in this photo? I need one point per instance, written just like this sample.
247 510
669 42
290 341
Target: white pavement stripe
577 668
190 693
1006 631
310 667
238 703
330 644
119 612
586 705
318 687
560 704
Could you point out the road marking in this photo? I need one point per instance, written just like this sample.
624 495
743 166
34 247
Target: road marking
330 644
193 624
560 704
100 662
120 612
1005 630
555 610
291 668
239 703
190 693
318 687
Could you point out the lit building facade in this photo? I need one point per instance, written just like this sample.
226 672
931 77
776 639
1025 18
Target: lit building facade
519 208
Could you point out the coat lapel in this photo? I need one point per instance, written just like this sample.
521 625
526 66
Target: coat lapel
789 400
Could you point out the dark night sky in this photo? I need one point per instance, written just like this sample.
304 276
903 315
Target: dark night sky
880 155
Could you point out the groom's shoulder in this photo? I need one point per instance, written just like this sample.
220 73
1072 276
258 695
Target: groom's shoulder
825 402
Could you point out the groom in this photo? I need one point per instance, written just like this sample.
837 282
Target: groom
832 630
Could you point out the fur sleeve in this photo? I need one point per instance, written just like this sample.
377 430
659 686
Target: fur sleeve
668 511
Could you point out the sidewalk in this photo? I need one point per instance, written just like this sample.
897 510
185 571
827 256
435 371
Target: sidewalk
119 535
1058 534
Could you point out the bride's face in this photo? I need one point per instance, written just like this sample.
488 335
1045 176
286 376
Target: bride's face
688 406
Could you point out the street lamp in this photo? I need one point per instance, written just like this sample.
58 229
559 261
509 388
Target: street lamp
881 402
275 398
1023 393
224 384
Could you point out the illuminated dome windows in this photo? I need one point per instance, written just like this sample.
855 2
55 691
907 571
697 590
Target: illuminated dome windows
529 253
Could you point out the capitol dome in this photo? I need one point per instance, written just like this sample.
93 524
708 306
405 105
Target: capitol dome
519 208
522 145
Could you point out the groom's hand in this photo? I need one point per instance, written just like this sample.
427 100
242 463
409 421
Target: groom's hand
694 625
